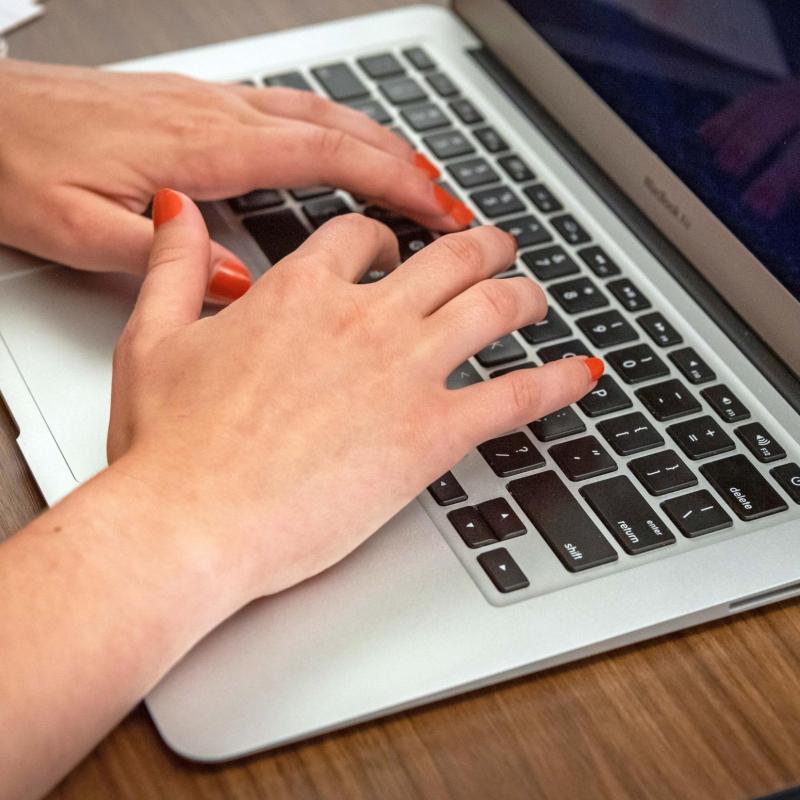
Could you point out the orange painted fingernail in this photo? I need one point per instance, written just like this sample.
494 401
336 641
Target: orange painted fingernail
596 367
430 169
166 206
229 281
445 200
463 216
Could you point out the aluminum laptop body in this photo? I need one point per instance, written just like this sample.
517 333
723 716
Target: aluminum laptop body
412 616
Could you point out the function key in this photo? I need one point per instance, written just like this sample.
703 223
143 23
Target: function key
466 111
549 262
473 172
725 403
561 423
700 438
291 80
321 210
491 139
501 351
607 329
419 58
526 230
383 65
691 366
662 473
516 169
696 514
630 433
463 376
562 523
497 202
425 117
277 233
788 476
373 109
555 352
743 488
659 330
543 198
447 490
578 295
510 454
402 90
627 515
502 519
627 294
570 229
340 82
471 527
442 84
255 201
598 261
637 363
606 398
582 458
551 327
760 442
448 144
502 570
668 400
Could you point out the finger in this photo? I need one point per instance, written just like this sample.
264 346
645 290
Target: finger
451 264
497 406
769 194
348 246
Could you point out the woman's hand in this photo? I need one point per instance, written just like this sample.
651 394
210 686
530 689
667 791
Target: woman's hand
82 151
301 418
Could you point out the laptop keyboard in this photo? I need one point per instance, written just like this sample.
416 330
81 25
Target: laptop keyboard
599 484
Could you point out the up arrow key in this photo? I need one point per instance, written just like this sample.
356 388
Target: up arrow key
502 567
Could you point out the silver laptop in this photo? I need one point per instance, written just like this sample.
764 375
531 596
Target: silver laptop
665 498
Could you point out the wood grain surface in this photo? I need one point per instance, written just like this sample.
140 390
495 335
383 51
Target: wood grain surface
710 713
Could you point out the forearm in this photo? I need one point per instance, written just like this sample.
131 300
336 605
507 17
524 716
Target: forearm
100 596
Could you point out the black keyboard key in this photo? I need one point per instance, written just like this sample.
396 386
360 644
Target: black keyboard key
382 65
743 488
510 454
577 295
630 433
549 262
401 91
668 400
497 202
466 111
527 230
582 458
425 117
419 58
277 233
606 398
551 327
568 349
503 571
463 376
696 514
340 82
442 84
561 423
788 476
627 294
448 144
501 351
491 139
570 229
598 261
627 515
760 442
255 201
412 241
307 192
471 527
727 405
373 109
636 364
473 172
562 523
501 518
291 80
659 330
447 490
395 221
516 169
691 366
322 209
662 473
543 198
700 438
607 329
498 373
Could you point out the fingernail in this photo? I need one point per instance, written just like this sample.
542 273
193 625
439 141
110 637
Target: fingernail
421 162
166 206
229 281
445 200
596 367
463 216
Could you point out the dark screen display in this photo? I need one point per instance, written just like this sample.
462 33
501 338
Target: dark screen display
712 87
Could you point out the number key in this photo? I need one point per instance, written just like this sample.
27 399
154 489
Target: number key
636 364
578 295
607 329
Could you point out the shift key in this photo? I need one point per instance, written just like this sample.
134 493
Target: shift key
562 523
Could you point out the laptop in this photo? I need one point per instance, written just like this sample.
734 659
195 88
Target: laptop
667 497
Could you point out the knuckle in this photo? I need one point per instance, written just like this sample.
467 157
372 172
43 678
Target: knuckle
330 143
463 248
524 394
500 298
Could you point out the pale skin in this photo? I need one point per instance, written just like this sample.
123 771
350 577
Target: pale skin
209 448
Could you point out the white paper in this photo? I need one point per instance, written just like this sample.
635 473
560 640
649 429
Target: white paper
17 12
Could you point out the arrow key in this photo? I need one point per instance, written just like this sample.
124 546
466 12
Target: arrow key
501 518
503 570
471 527
447 490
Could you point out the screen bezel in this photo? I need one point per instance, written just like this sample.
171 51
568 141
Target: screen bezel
648 182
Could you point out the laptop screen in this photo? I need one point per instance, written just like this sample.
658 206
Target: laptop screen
713 88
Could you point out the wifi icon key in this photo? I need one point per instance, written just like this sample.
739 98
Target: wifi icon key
760 442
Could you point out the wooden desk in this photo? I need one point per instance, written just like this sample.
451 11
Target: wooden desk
713 713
